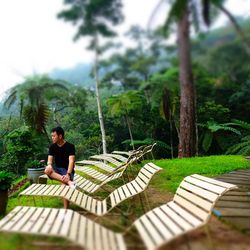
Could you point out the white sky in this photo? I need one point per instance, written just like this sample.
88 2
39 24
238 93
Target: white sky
34 40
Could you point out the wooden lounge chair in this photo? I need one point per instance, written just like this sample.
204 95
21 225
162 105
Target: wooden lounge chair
121 166
88 185
191 208
62 223
130 189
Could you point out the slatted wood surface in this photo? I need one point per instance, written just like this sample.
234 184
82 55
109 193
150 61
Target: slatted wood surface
138 185
118 157
95 174
234 206
89 186
107 158
122 153
99 164
190 208
62 223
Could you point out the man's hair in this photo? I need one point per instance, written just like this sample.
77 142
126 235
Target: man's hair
58 130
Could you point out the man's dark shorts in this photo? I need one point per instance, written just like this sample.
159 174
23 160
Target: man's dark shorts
63 171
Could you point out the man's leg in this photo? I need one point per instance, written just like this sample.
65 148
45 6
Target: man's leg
53 175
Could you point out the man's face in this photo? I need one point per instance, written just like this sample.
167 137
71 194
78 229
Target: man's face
55 137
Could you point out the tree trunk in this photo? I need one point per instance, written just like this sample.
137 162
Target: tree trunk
130 131
99 108
187 140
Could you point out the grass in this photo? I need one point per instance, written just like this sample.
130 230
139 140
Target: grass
175 170
166 180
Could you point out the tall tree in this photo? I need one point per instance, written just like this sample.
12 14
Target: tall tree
31 96
181 12
94 18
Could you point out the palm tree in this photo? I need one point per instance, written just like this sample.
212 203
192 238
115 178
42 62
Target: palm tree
94 18
164 89
31 96
122 105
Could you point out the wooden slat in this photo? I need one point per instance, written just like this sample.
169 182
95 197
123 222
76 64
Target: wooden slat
195 199
146 237
176 217
131 188
9 216
82 231
58 222
166 232
195 221
213 181
205 185
24 219
74 230
199 191
64 230
191 207
32 221
15 219
49 222
152 230
40 221
157 214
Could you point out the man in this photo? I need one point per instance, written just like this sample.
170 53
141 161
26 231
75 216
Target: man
62 153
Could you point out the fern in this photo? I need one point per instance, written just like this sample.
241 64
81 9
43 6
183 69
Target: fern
207 140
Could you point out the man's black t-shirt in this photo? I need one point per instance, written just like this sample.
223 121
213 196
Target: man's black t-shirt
61 154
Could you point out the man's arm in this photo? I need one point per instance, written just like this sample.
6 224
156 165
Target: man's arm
50 160
71 164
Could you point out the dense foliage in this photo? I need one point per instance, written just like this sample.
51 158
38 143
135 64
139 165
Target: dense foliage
140 96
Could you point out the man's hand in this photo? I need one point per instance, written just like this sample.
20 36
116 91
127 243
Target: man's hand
65 178
48 170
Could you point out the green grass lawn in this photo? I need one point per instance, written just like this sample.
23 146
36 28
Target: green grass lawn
175 170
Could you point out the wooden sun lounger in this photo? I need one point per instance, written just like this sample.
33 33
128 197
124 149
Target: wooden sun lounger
191 208
62 223
88 185
138 185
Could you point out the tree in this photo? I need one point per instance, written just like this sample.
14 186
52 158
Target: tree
180 13
163 90
123 105
31 96
94 18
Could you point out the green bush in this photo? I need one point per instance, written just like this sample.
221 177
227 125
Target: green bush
6 180
20 146
35 164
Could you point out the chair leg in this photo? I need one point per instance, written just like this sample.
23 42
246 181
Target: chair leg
207 231
144 210
34 201
147 201
42 201
187 241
